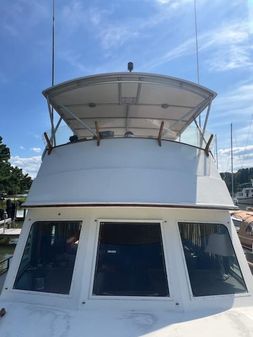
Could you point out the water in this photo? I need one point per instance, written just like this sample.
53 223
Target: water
6 251
243 207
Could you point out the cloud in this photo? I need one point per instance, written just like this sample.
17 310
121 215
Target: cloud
115 36
22 147
184 49
109 26
227 47
75 60
242 158
36 149
22 16
77 16
97 21
239 150
29 165
236 102
233 57
234 106
173 3
74 14
231 48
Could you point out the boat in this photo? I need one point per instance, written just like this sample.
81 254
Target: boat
245 196
237 220
245 230
128 231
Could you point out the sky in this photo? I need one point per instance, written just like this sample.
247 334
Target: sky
103 36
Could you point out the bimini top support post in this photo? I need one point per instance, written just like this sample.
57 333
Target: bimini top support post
78 119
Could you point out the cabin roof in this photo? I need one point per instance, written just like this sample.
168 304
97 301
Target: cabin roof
128 102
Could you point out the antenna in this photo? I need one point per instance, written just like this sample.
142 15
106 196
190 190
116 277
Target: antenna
51 109
196 46
232 160
216 152
196 39
53 44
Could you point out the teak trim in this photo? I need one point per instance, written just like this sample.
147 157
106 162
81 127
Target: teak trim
132 205
97 133
2 312
49 145
207 148
160 134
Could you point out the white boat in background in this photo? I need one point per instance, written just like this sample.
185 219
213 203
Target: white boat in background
245 196
128 231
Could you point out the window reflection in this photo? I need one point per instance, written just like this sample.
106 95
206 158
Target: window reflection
212 265
49 256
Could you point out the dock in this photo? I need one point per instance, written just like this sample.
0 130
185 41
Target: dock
5 222
8 235
13 232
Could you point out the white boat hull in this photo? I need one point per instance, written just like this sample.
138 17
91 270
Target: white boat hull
247 201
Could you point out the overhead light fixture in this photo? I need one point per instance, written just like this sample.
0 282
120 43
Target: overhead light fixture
165 105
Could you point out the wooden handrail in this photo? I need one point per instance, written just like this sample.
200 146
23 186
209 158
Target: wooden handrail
160 134
49 145
207 148
97 132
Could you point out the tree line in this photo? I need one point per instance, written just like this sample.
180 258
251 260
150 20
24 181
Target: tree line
241 179
12 179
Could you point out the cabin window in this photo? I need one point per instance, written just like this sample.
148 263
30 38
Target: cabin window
130 260
49 256
211 261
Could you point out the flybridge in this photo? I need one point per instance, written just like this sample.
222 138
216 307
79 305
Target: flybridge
123 104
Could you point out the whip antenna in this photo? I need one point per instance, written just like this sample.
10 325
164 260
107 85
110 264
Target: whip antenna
196 39
51 109
53 21
196 46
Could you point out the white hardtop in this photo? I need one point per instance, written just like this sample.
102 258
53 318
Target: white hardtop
128 102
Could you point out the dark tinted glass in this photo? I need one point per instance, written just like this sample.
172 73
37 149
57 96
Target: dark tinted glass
49 256
212 265
130 260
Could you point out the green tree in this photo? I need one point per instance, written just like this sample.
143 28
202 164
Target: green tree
12 179
4 152
242 178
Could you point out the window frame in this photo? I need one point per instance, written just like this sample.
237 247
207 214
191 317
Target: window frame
20 256
208 297
95 255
